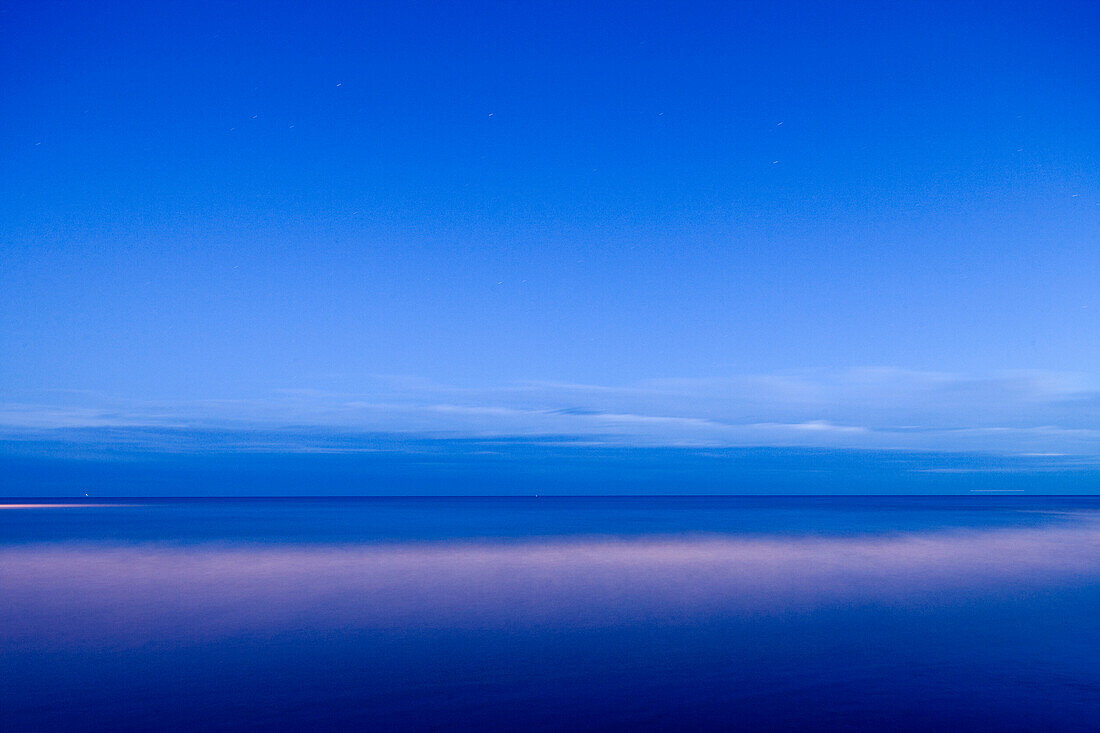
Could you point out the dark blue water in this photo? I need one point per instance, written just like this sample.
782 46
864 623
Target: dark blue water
696 613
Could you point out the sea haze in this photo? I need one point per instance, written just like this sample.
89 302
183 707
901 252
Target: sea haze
761 613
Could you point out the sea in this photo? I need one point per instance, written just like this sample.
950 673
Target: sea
539 613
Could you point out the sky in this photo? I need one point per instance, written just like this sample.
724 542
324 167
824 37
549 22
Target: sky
854 230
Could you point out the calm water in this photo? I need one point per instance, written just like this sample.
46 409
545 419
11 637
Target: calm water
549 613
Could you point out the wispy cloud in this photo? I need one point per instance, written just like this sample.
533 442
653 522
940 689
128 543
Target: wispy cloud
874 408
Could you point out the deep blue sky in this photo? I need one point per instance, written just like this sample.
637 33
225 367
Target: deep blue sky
847 225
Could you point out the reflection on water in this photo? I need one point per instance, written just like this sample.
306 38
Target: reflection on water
131 594
946 626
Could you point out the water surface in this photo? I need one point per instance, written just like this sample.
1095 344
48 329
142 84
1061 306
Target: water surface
545 613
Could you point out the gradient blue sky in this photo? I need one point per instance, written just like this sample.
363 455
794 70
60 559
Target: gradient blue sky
852 226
